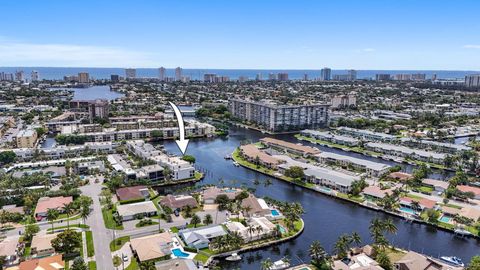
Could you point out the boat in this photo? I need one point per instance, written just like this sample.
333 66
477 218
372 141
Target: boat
233 258
453 260
228 157
236 164
462 232
280 264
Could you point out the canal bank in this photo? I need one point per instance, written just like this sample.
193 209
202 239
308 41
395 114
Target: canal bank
325 219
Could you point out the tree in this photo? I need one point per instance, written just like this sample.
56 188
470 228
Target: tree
355 238
378 228
7 157
267 264
358 186
68 210
383 260
295 172
317 253
79 264
189 158
67 241
474 263
342 246
195 220
30 230
208 219
52 215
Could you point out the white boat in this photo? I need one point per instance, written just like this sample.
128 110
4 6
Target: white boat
279 265
233 258
453 260
228 157
462 232
236 164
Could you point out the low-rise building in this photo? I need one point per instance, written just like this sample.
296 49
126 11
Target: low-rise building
26 138
330 137
46 203
134 210
252 154
48 263
366 135
200 237
406 152
42 244
178 202
132 193
296 149
152 247
370 167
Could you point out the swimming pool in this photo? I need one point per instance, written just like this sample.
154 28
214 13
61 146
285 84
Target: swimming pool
445 219
275 212
407 210
282 229
179 253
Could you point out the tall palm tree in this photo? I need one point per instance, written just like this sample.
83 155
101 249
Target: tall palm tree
84 213
356 239
342 245
52 215
68 210
317 253
251 229
415 205
389 226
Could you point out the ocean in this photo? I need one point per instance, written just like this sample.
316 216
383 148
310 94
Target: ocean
55 73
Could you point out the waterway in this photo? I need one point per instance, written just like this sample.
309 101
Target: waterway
325 218
93 92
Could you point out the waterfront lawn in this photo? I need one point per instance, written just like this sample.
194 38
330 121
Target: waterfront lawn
118 243
358 199
201 257
394 254
90 248
109 221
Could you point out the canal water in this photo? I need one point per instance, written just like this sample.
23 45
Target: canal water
325 219
93 92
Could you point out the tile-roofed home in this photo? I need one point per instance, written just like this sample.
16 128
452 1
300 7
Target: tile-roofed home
471 213
180 201
152 247
291 147
48 263
438 185
423 202
42 244
210 194
251 153
129 211
13 209
376 192
46 203
132 193
416 261
256 206
474 190
401 176
176 264
358 262
8 249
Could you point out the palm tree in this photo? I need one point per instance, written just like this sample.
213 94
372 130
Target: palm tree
68 210
251 229
356 239
389 226
52 215
84 213
415 205
317 253
208 219
342 245
267 264
195 220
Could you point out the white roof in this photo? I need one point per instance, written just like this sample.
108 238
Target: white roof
377 166
136 208
407 150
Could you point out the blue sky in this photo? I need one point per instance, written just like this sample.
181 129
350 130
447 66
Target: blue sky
296 34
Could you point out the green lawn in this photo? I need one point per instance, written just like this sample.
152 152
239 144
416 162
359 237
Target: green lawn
138 225
82 226
108 220
425 189
133 264
201 257
90 248
358 198
27 251
174 229
92 265
118 243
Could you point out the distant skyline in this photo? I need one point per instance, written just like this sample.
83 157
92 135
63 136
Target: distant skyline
248 34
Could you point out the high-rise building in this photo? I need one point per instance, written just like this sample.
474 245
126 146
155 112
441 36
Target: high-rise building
272 76
98 108
6 76
344 101
283 76
161 74
19 76
83 77
178 74
35 76
242 78
472 81
305 77
352 75
419 77
276 118
130 73
382 77
209 77
434 77
258 77
114 78
325 74
403 77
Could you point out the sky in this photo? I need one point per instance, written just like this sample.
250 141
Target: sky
246 34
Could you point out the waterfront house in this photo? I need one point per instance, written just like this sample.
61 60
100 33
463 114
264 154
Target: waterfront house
406 152
42 244
401 176
178 202
423 202
258 207
366 135
211 193
375 192
358 262
253 155
152 247
330 137
134 210
251 235
48 263
372 168
437 185
200 237
474 190
292 148
176 264
416 261
132 193
46 203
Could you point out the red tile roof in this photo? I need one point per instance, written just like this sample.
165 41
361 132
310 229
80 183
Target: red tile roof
130 193
464 188
47 263
425 203
46 203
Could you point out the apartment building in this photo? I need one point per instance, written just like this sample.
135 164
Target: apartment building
26 138
279 118
372 168
366 134
330 137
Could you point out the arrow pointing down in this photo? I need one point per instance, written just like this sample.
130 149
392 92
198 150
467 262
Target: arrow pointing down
182 143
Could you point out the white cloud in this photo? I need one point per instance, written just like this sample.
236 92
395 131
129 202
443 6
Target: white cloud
15 53
368 50
471 46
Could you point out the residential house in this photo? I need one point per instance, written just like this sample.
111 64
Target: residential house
48 263
257 207
42 244
46 203
292 148
211 193
132 193
134 210
178 202
474 190
200 237
152 247
416 261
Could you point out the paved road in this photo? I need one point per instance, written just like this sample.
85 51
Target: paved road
101 235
